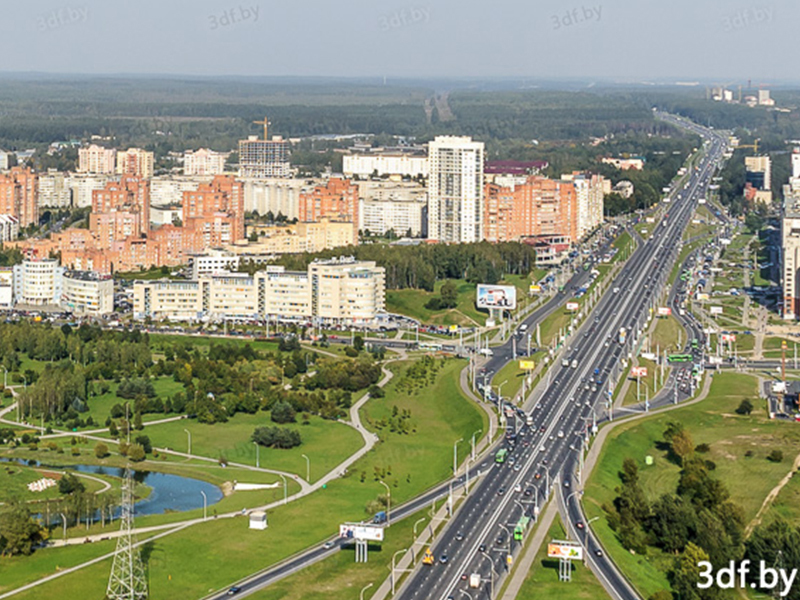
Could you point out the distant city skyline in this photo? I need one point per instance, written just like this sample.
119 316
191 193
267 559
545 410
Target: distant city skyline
604 39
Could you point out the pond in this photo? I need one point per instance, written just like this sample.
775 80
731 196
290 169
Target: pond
170 493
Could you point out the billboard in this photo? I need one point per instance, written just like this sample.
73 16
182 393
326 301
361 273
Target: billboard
664 311
715 310
728 337
573 306
527 365
497 296
568 550
361 531
702 296
638 371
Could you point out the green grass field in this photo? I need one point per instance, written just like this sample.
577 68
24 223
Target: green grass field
513 375
712 421
667 335
646 385
542 580
409 464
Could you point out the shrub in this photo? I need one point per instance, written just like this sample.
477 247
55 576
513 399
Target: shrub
100 450
702 448
775 456
283 412
745 407
136 453
276 437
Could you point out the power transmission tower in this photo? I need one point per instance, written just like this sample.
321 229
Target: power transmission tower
127 580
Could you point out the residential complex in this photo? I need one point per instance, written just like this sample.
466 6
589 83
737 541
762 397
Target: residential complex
396 206
790 256
9 228
87 293
19 195
264 158
4 160
337 200
276 195
333 291
455 189
297 238
38 282
204 162
381 162
98 160
135 162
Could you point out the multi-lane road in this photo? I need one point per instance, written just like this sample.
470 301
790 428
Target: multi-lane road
479 538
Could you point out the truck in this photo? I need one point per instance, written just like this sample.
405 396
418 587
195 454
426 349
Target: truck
529 420
428 559
623 335
379 518
565 362
475 580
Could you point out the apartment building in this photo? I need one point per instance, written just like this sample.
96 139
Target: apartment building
87 293
396 162
332 291
6 287
455 189
337 200
590 191
5 159
82 185
135 162
9 228
19 195
264 158
396 206
54 191
38 282
297 238
98 160
790 257
758 172
275 195
204 162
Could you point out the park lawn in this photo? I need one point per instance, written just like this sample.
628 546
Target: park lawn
625 244
441 415
512 373
100 406
339 577
712 421
787 503
542 580
645 229
326 443
14 480
158 341
411 302
668 335
774 343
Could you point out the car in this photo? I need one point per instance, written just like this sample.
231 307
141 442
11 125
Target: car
501 539
234 590
501 491
482 548
459 537
579 524
537 476
566 484
598 553
443 559
528 492
517 467
329 545
518 488
542 449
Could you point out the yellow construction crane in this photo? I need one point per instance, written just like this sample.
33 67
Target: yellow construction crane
265 123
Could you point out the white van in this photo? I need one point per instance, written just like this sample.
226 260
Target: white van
486 352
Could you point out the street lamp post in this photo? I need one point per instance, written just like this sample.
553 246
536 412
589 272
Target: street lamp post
285 489
455 454
491 575
473 442
388 502
189 433
308 468
393 558
365 588
258 456
205 505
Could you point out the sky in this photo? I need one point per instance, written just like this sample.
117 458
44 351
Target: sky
620 40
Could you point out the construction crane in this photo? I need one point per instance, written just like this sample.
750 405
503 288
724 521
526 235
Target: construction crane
754 146
265 123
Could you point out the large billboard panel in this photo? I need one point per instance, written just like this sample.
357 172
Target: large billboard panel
361 531
728 337
572 306
715 310
664 311
497 296
527 365
638 371
569 550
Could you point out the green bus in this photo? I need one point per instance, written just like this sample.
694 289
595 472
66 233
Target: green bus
500 457
522 525
679 358
694 343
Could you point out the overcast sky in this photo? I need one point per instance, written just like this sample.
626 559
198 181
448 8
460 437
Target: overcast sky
618 39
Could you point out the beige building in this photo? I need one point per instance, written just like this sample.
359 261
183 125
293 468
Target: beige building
300 237
87 293
388 205
790 258
334 291
54 190
204 162
136 162
96 159
386 162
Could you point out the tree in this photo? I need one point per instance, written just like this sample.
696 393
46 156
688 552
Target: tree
449 294
358 343
100 450
112 429
18 531
69 484
276 437
682 445
282 412
137 421
136 452
687 574
745 407
144 442
775 456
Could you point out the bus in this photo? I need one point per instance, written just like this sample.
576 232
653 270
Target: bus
433 346
522 525
694 344
500 457
679 358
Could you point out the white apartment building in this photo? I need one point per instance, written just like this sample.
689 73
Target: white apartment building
38 282
167 190
164 215
54 190
135 161
87 293
4 160
212 262
275 194
204 162
367 164
81 186
590 191
790 258
332 291
391 205
455 189
9 228
758 171
96 159
6 287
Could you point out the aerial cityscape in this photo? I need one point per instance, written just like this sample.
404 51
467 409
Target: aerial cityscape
418 301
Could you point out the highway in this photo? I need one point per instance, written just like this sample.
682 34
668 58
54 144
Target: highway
479 538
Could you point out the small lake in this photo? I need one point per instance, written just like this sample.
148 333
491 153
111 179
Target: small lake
170 493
